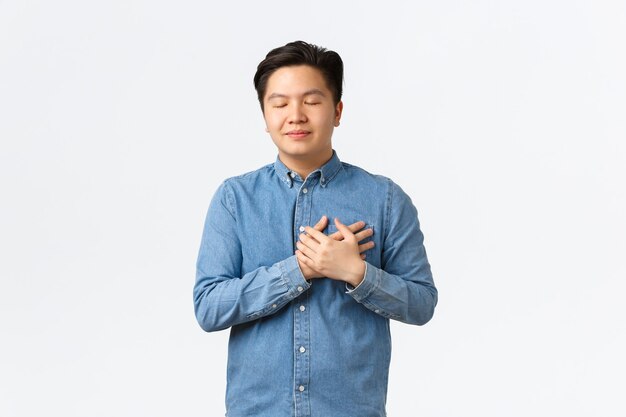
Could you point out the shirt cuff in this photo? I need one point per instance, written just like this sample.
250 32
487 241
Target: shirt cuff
293 277
369 283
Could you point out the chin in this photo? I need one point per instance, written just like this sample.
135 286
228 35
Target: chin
297 155
298 149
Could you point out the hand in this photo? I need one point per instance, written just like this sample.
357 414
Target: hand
309 272
338 259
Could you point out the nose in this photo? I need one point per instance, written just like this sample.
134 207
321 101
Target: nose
297 114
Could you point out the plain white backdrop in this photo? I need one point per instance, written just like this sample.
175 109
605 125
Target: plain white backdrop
504 121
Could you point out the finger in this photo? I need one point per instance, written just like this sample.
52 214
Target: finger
356 226
305 249
336 236
309 242
321 225
353 228
319 236
366 246
343 229
363 234
306 261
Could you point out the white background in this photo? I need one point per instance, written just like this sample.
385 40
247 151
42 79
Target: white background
504 121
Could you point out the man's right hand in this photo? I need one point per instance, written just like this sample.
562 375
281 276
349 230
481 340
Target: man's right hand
354 228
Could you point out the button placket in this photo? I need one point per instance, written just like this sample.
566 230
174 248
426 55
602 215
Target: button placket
302 360
301 335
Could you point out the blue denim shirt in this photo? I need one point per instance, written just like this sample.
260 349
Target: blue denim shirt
308 348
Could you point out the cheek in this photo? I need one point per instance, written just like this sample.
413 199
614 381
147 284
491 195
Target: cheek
273 121
328 121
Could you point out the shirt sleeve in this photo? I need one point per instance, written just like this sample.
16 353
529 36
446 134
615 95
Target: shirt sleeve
403 288
223 297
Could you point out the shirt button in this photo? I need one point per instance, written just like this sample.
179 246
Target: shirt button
300 289
376 311
301 388
302 349
301 228
273 305
304 190
302 308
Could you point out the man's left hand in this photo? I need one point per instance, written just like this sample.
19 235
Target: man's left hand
335 259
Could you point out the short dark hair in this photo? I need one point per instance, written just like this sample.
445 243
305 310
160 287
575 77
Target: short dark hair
329 63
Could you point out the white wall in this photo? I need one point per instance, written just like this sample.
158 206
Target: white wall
505 122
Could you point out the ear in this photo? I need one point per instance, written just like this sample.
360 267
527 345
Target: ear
338 112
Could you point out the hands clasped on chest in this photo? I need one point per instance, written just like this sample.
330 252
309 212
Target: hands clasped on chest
338 256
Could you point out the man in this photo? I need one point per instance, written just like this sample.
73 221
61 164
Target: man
309 307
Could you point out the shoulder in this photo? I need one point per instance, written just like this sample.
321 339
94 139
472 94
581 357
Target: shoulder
249 176
357 172
371 180
249 179
395 196
242 184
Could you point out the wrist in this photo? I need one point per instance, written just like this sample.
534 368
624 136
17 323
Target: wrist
357 275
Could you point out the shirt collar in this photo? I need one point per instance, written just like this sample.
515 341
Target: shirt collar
327 171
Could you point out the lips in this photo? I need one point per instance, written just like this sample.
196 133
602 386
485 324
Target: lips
296 134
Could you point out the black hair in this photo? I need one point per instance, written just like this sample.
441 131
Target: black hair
329 63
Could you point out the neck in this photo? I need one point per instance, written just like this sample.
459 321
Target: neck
304 166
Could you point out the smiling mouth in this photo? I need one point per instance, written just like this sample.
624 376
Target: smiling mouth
297 133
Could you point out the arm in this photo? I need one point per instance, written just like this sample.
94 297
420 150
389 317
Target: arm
403 289
222 296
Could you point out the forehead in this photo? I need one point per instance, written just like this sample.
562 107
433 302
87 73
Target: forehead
295 80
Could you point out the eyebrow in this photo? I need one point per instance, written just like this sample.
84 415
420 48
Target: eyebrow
313 91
